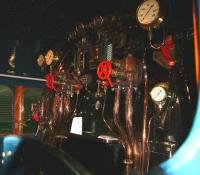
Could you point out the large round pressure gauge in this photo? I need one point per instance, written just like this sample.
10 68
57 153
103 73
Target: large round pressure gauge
148 14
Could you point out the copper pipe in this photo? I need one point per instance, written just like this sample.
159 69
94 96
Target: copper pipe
103 112
43 107
105 120
122 132
62 119
130 124
18 109
144 152
61 104
67 103
61 116
55 121
74 113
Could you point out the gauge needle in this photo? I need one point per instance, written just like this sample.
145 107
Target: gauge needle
158 93
147 12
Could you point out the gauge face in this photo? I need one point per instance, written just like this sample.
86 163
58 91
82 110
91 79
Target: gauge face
49 57
158 94
148 12
40 60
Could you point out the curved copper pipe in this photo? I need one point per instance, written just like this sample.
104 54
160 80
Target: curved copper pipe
103 112
122 132
62 116
44 128
130 124
57 114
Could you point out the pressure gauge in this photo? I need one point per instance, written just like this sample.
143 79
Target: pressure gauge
159 92
40 60
50 57
148 14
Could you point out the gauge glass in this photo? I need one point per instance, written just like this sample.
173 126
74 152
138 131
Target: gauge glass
49 57
40 60
158 94
148 12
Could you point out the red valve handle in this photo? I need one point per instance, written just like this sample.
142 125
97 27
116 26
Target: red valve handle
169 44
50 82
36 117
78 86
104 70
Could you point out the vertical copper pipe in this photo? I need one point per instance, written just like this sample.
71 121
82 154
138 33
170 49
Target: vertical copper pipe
103 115
130 124
18 109
58 115
61 104
144 152
67 104
122 132
61 119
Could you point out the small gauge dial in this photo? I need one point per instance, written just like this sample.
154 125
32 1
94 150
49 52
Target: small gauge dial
148 12
49 57
158 94
40 60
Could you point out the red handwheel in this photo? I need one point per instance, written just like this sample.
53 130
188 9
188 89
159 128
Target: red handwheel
50 83
104 70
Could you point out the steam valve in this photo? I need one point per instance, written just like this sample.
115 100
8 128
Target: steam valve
104 71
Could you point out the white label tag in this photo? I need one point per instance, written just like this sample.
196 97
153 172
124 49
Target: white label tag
76 127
